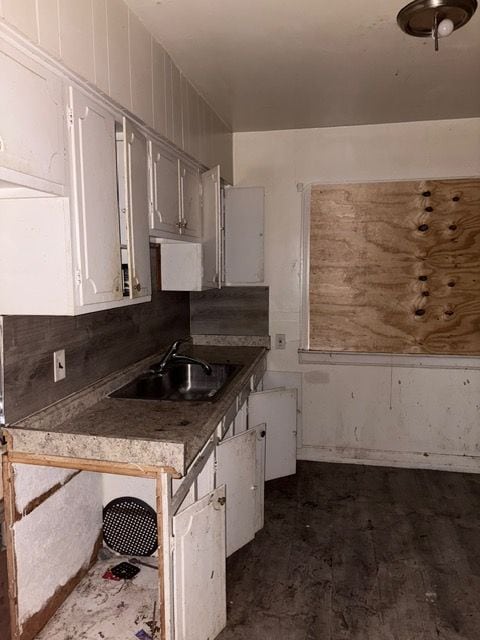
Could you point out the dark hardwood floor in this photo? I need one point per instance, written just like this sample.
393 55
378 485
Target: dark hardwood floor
361 553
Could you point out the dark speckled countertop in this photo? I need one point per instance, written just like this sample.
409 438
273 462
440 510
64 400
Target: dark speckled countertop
91 426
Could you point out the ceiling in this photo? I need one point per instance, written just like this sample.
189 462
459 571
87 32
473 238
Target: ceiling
287 64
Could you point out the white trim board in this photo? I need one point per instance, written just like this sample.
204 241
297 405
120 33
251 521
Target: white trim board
419 361
402 459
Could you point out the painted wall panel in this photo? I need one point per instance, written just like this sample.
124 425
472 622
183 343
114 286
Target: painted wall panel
159 89
48 26
347 411
22 15
140 48
100 45
177 135
76 37
118 54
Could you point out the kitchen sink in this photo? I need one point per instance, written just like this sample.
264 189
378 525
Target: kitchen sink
180 382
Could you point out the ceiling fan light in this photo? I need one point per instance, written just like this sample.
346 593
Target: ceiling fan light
419 18
445 28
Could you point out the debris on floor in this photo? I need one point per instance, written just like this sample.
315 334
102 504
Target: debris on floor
108 609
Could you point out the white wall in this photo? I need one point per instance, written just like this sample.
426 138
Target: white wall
387 414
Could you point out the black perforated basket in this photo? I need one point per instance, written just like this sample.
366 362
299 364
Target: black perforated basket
130 527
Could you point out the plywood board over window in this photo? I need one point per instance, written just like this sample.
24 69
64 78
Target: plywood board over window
394 267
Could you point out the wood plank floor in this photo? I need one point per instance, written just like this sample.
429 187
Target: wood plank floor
361 553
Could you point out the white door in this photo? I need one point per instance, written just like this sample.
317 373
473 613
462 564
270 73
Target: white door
32 138
277 409
191 204
97 236
236 468
199 568
164 191
136 188
260 476
244 224
212 229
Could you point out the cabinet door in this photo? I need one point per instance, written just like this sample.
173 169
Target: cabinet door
236 468
164 191
32 139
199 568
277 409
191 209
212 229
244 223
136 189
97 237
260 476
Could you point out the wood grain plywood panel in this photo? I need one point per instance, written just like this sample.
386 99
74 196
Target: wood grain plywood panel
395 267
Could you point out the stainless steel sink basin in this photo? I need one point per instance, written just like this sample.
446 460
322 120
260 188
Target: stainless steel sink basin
179 382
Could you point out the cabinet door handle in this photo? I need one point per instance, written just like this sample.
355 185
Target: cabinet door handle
138 287
222 501
179 225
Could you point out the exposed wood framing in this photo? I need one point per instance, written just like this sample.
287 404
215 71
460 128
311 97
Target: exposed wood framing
9 507
100 466
164 495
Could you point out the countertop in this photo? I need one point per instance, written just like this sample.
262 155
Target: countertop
89 425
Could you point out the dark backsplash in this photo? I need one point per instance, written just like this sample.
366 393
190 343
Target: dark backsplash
232 311
95 344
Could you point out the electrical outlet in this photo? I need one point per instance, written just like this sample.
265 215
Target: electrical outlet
59 367
279 341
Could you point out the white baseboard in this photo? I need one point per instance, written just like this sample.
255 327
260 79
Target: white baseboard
404 459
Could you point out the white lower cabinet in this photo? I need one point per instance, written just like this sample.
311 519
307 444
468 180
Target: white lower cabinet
277 409
260 451
218 506
199 568
236 469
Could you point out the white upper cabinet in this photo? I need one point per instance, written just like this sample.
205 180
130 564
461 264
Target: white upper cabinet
191 200
32 125
195 266
212 229
164 191
95 203
244 229
136 200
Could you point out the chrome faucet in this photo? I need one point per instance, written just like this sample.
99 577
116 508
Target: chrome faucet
172 357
